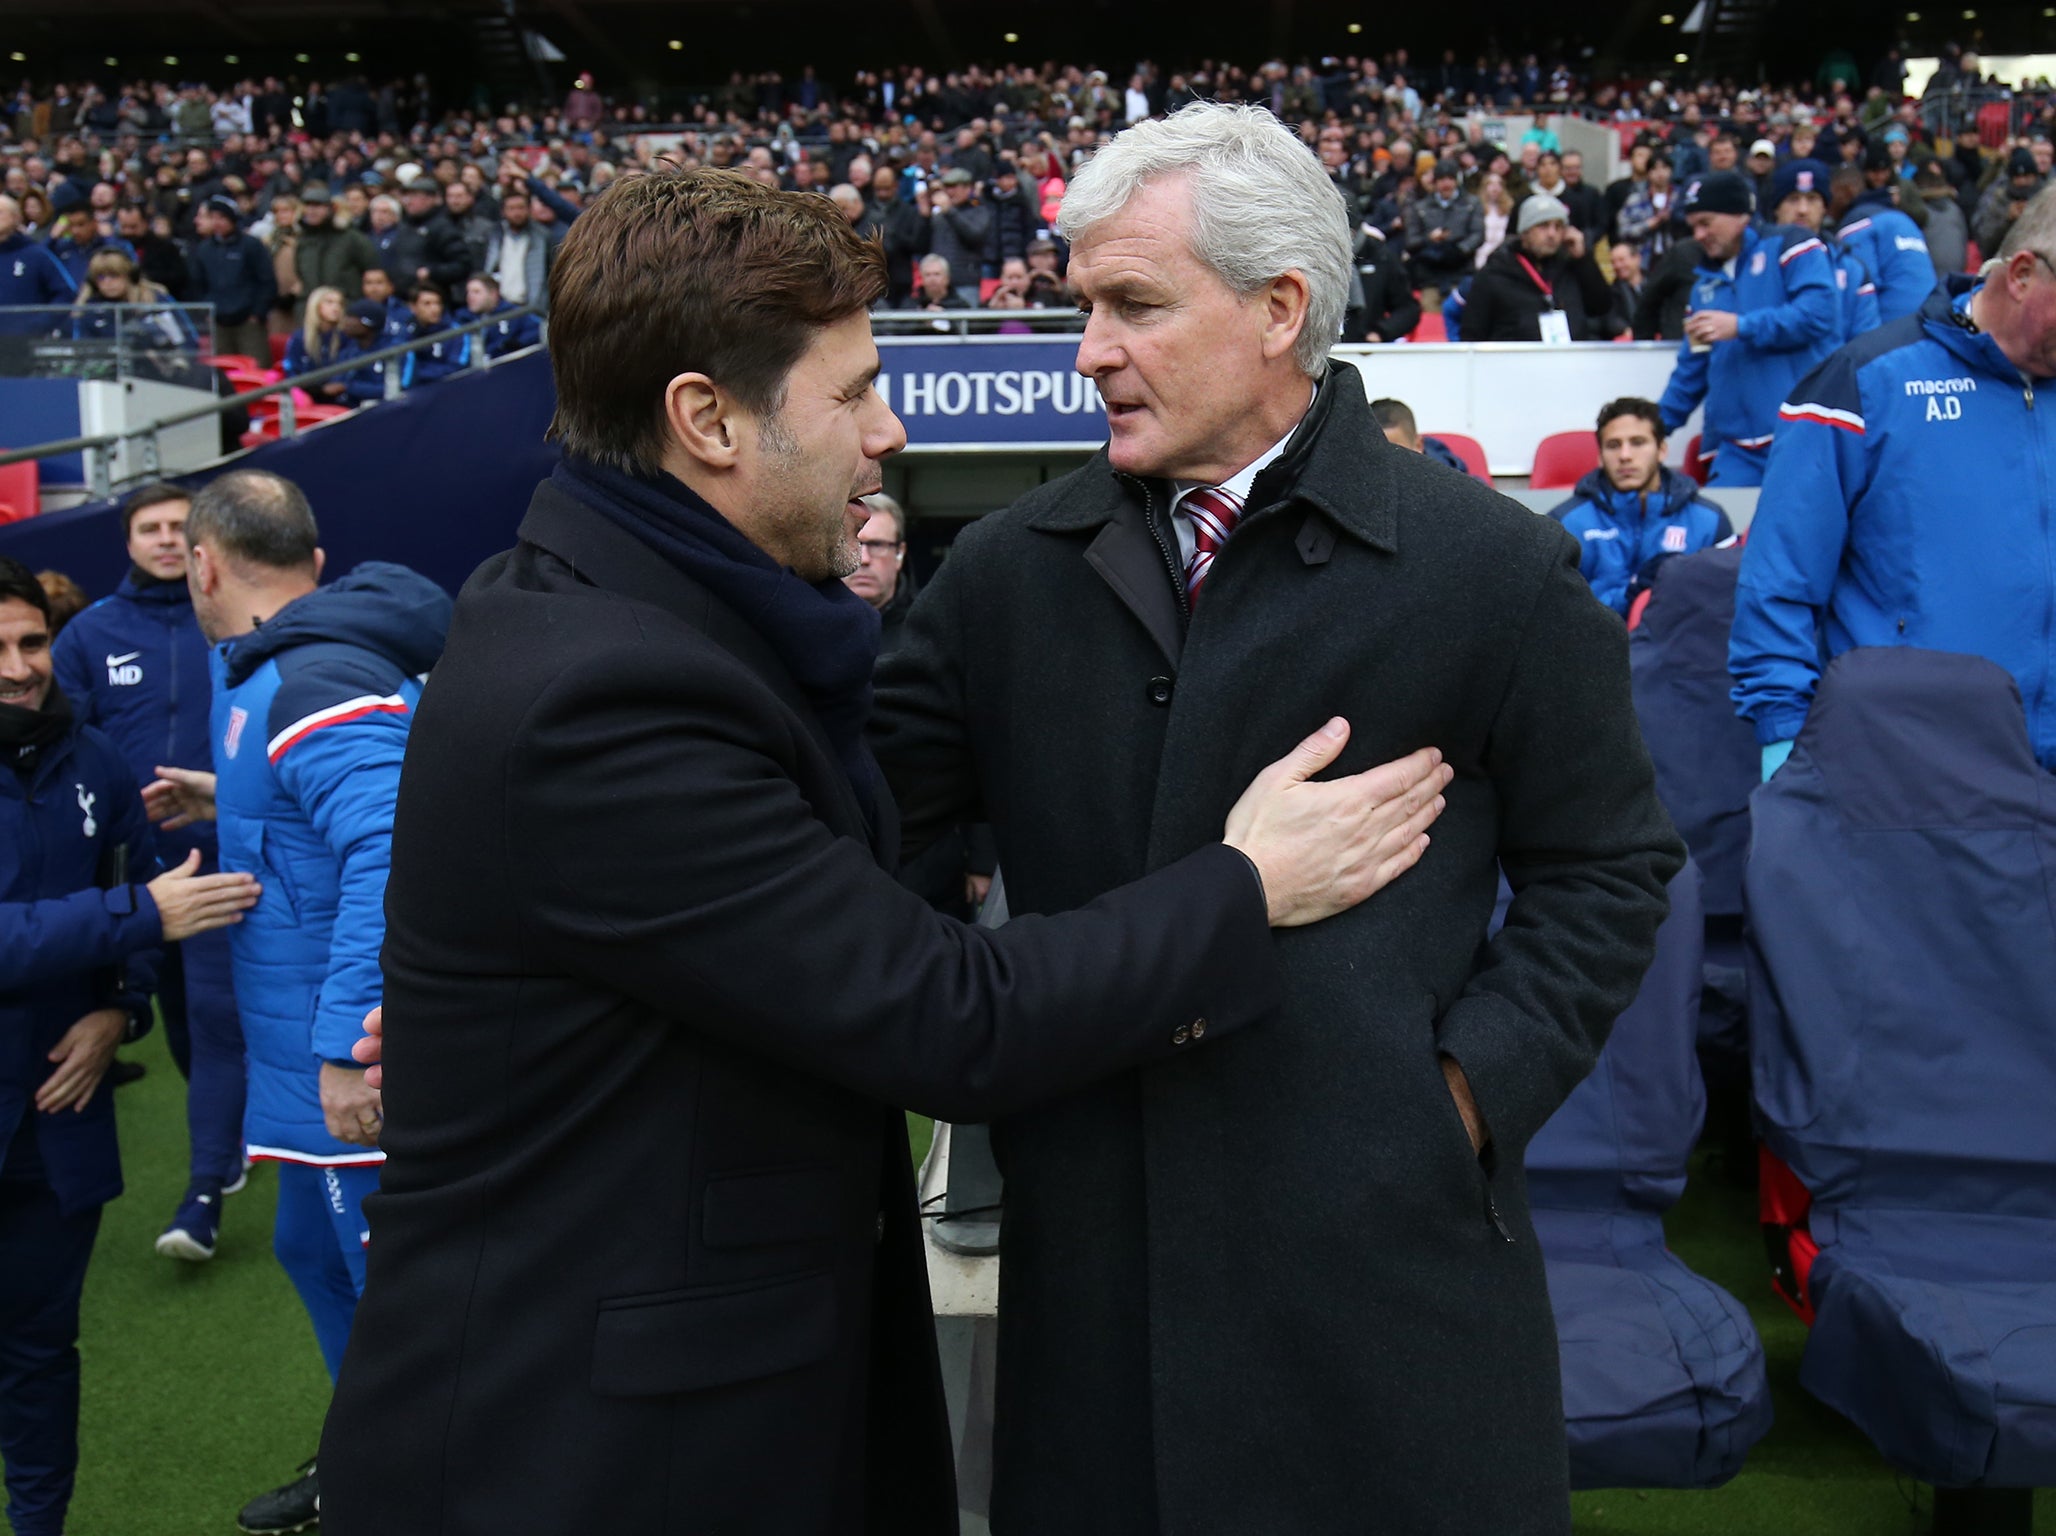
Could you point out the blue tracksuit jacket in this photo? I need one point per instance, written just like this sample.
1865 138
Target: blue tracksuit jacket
1911 501
30 275
75 258
1892 246
1784 290
62 936
1624 534
1857 291
310 720
509 335
338 348
435 361
135 665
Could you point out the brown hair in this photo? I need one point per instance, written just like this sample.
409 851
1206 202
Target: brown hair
699 271
1631 405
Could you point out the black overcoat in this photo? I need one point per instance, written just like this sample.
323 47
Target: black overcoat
1270 1289
644 1255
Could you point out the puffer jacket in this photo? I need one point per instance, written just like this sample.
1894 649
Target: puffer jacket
311 713
1624 535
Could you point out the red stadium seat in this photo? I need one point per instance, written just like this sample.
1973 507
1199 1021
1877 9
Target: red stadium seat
269 405
264 428
1994 123
278 348
1695 466
229 360
20 491
1563 459
1973 258
1469 449
1431 327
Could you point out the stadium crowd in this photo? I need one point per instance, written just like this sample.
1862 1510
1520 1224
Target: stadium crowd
1766 231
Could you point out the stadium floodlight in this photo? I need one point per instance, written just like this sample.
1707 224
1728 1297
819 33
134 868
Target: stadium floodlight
1013 37
676 45
1681 58
1355 27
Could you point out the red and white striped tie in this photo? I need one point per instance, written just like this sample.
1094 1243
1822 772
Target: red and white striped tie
1213 510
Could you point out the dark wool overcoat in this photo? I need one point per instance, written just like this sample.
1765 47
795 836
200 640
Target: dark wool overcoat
1268 1289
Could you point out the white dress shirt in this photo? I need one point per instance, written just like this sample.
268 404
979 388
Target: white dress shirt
1237 485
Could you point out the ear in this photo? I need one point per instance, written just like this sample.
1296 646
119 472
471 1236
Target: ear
703 420
1285 305
320 559
201 572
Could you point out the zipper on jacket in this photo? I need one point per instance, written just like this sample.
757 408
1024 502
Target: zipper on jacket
1492 1215
1171 565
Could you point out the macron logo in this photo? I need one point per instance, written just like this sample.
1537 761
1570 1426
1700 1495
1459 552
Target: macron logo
1602 533
1962 386
122 671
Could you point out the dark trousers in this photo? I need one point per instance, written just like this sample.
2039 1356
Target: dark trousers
205 1033
43 1256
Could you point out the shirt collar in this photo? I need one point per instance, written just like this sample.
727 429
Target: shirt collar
1240 483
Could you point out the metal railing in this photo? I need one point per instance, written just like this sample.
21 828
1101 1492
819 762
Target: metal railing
100 448
105 342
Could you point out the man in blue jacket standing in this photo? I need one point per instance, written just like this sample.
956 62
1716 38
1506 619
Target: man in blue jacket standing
77 922
29 276
232 271
1887 242
135 666
1764 311
1847 544
1633 512
314 692
512 332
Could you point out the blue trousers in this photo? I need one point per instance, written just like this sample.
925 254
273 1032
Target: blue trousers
319 1239
205 1033
43 1256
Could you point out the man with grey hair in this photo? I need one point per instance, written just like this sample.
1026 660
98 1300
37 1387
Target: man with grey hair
1292 1286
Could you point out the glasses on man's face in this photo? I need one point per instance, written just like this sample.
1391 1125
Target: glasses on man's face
878 549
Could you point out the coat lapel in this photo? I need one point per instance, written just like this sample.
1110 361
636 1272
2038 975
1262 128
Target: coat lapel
614 559
1124 554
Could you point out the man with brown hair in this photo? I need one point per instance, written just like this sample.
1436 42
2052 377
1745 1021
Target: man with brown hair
646 1252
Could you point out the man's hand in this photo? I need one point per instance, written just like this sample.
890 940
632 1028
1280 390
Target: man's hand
370 1051
1574 242
189 902
976 889
82 1058
179 797
1711 325
1323 848
1460 1090
351 1105
1437 236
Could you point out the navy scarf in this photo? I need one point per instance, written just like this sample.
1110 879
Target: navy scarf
825 635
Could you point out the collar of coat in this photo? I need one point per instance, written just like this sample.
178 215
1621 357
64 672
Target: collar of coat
1336 463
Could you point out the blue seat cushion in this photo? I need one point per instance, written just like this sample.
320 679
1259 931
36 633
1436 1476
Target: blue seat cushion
1956 1383
1663 1374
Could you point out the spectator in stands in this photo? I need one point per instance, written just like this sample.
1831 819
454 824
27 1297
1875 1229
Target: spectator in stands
78 239
959 231
509 334
329 255
112 280
1543 286
135 667
1395 418
1765 310
1634 512
1498 206
233 272
474 226
1651 219
936 290
435 360
428 247
321 342
518 255
1947 232
1587 204
1763 164
300 660
1797 203
282 239
364 323
1846 547
1618 192
1889 244
1443 232
1382 306
159 256
81 909
1667 291
385 229
2006 199
1627 288
900 227
1015 216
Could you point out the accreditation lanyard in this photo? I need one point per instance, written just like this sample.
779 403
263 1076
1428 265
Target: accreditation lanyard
1528 267
1553 324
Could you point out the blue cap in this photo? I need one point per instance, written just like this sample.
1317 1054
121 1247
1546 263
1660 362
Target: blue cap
1799 176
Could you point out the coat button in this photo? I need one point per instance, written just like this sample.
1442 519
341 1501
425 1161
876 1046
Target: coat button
1160 690
1182 1035
1199 1029
881 1228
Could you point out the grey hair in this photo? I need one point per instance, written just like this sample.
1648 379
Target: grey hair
256 518
2035 229
1262 206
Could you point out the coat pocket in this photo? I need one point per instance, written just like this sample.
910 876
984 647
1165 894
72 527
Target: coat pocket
667 1342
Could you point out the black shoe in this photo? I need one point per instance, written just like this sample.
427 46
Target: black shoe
294 1507
122 1073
